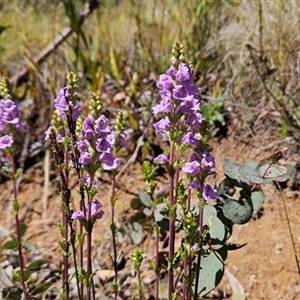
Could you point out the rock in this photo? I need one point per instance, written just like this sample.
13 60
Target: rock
106 275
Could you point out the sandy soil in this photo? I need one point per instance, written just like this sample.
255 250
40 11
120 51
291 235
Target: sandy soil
265 267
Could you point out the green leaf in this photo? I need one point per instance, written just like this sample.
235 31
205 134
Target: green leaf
41 288
12 293
22 228
136 204
11 244
36 265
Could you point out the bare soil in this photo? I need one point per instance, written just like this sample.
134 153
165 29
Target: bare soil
265 267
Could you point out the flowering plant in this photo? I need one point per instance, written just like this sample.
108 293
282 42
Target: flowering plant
85 141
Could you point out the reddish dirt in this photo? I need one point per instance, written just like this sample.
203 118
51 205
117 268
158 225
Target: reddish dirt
265 267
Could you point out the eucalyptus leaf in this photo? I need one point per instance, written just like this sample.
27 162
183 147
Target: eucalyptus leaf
211 271
145 198
239 212
250 174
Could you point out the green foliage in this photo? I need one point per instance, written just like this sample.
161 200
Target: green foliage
12 293
213 112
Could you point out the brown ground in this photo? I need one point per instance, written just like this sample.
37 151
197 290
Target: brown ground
265 267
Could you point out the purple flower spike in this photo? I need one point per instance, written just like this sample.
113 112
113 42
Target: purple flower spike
6 141
209 193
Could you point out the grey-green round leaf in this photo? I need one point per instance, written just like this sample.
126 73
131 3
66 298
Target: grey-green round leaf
239 212
144 197
257 199
211 271
250 174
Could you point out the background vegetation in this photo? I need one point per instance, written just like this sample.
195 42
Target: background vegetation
245 54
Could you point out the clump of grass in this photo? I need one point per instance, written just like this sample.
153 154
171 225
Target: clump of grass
259 46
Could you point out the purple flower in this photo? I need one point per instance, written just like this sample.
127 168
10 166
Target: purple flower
76 113
88 122
193 168
95 206
184 73
101 125
6 141
10 114
60 103
194 120
87 180
164 82
180 92
208 160
195 184
10 117
96 211
82 145
78 215
162 159
85 158
195 247
172 71
102 145
162 125
189 105
209 193
88 128
190 139
164 106
123 141
109 161
88 133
